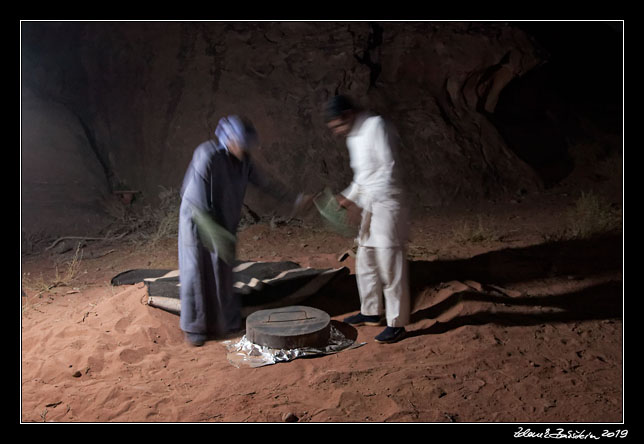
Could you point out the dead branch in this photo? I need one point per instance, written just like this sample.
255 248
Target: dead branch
85 238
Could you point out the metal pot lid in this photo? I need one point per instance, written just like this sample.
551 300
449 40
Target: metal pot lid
289 327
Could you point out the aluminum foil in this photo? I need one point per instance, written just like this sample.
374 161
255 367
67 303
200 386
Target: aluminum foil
242 352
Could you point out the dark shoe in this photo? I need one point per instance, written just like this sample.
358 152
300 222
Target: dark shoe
360 319
195 339
391 334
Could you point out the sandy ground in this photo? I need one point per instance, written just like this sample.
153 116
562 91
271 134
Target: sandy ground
545 345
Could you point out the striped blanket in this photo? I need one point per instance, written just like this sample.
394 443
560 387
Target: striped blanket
260 285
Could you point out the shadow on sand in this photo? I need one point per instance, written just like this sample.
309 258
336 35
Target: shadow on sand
603 301
578 258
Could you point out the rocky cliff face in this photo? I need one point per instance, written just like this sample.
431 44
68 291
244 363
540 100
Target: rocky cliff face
146 94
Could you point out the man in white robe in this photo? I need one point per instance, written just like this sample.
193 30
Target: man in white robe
377 191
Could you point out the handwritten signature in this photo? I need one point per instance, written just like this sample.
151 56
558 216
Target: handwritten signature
569 434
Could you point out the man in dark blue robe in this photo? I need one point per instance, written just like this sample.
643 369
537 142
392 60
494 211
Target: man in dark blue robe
214 187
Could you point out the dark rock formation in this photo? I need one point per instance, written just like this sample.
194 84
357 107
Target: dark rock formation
62 180
147 93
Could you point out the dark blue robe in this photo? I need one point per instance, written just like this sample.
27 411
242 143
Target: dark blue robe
215 182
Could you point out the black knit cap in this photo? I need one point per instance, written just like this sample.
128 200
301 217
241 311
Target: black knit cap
336 106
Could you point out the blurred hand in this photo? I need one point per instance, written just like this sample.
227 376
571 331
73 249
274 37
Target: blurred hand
354 215
344 202
306 202
303 204
354 212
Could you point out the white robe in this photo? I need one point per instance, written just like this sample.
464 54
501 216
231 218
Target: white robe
381 265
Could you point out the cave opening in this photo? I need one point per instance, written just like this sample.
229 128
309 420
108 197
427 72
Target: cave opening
573 99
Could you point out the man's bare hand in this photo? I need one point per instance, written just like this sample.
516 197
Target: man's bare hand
344 202
354 212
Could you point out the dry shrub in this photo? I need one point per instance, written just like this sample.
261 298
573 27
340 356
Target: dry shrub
146 223
593 215
465 233
65 274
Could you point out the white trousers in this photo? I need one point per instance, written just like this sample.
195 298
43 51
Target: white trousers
383 272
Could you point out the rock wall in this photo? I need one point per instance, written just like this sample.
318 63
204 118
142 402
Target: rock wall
147 93
62 182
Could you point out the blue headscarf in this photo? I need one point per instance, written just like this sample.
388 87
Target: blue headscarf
240 130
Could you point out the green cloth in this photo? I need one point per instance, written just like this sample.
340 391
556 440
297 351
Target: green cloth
215 237
334 214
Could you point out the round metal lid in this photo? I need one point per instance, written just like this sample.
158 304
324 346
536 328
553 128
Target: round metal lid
289 327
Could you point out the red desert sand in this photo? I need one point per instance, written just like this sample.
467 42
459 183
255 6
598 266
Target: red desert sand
92 352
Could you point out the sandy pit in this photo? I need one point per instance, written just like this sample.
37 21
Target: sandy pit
513 328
